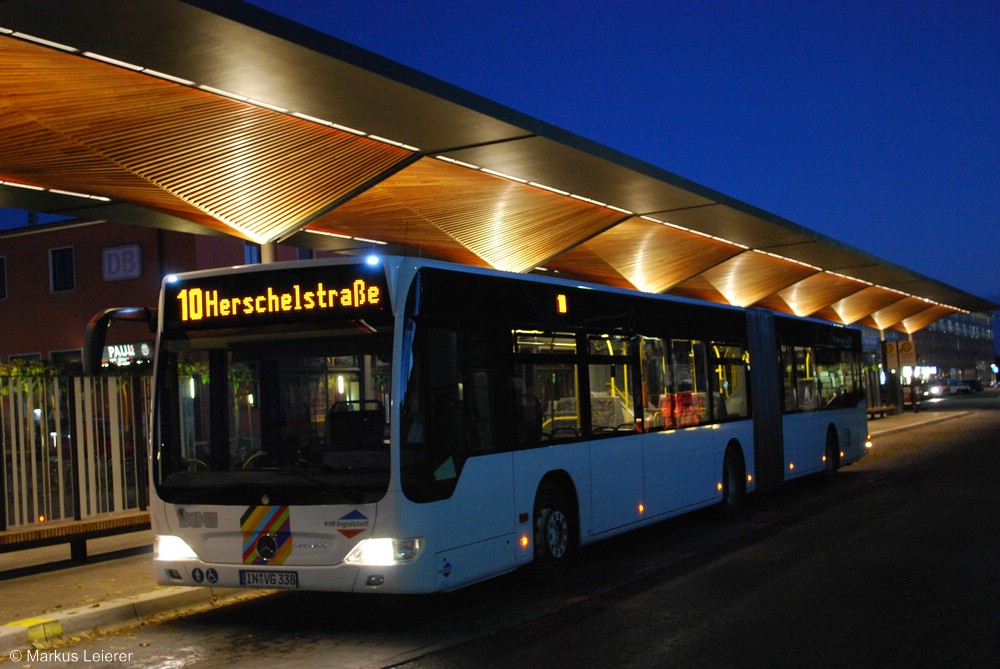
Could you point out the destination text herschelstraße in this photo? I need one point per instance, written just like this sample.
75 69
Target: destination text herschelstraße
198 304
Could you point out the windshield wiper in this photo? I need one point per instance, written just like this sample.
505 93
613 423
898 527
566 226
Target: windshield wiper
356 498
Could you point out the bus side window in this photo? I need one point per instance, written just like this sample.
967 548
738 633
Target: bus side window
479 352
789 390
550 392
527 413
450 411
803 388
729 388
690 398
432 452
807 385
612 379
546 383
657 385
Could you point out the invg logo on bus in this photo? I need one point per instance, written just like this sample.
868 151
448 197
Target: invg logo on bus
198 304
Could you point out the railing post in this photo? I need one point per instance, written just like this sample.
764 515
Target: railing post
140 440
3 462
76 392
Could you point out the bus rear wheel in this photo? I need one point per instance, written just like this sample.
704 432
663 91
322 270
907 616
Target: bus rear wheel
553 533
734 484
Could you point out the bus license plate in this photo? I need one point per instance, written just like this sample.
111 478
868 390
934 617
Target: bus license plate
288 580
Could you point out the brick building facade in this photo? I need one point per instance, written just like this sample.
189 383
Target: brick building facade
55 277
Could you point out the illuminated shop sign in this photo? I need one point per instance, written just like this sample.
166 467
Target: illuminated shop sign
126 355
276 297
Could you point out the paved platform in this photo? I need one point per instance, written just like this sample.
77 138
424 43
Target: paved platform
44 595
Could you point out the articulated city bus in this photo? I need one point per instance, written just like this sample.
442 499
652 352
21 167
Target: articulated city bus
405 426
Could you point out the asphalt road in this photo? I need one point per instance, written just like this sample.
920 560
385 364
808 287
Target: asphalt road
893 564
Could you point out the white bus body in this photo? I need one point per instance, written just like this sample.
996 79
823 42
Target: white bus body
415 426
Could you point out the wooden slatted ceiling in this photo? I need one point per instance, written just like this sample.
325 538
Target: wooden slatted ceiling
744 279
921 320
853 308
432 205
812 294
897 312
651 257
73 123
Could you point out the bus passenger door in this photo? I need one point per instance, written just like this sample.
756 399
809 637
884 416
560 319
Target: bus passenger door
616 482
615 445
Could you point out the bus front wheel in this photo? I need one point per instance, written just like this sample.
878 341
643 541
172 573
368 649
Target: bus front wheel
553 533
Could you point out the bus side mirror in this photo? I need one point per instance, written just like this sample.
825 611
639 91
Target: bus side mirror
96 332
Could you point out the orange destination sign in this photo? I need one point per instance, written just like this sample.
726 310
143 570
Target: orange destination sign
275 296
197 304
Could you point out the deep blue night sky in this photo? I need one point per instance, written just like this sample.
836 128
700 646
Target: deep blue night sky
875 123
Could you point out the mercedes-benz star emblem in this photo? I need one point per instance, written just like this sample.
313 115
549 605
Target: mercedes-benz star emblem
267 547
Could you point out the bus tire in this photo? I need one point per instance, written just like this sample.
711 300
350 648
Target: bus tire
734 482
832 463
554 534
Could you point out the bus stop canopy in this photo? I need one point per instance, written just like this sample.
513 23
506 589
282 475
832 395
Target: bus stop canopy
216 116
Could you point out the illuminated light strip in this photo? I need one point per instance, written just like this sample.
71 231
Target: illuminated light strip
786 259
348 237
223 93
313 119
24 186
458 162
55 191
392 142
44 42
113 61
504 175
852 278
353 131
268 105
387 141
551 189
330 234
67 192
587 199
168 77
696 232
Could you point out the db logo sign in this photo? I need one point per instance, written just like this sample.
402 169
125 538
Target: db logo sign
122 262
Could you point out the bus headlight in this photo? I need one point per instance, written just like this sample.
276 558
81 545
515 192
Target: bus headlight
385 552
168 547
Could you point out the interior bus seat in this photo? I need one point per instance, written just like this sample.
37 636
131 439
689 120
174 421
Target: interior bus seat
357 425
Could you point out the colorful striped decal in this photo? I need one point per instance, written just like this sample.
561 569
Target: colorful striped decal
273 522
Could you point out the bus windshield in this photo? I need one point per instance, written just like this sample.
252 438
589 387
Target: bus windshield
243 418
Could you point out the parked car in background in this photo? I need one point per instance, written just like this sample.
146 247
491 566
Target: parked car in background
958 387
934 389
945 387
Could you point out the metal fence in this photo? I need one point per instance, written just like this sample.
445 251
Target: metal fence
73 447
